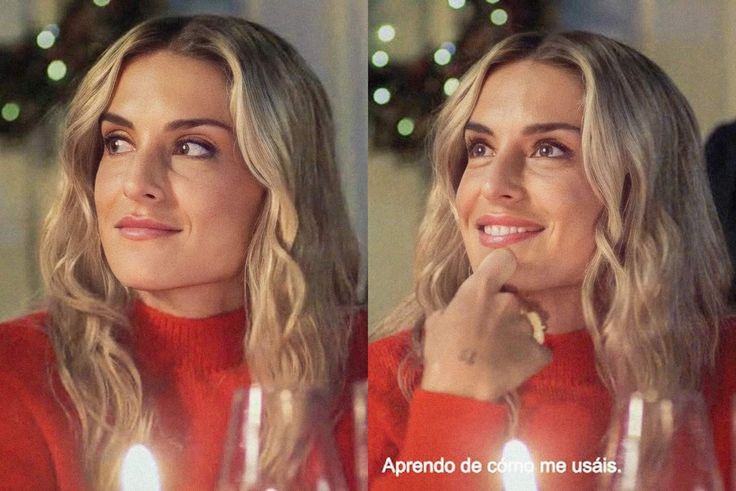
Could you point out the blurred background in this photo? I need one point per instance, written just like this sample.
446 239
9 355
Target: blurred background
47 45
419 48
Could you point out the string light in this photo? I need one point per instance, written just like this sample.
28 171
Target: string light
450 86
10 111
442 56
499 17
380 59
386 33
405 126
456 4
45 39
101 3
381 95
449 47
492 1
56 70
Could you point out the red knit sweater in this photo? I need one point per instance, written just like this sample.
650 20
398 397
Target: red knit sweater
189 369
564 413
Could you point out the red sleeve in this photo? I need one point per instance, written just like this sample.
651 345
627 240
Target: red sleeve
38 445
25 459
432 427
721 389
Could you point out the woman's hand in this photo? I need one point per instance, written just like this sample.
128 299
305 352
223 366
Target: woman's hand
481 346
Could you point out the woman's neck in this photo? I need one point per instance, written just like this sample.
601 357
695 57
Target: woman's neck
561 308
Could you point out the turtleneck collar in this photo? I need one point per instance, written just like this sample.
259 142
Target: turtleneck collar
163 341
573 360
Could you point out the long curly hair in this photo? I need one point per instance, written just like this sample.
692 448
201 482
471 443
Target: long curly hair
655 288
302 262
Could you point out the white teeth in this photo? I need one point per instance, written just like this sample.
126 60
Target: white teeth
497 230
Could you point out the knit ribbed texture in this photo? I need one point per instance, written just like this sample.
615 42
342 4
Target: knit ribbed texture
564 414
189 369
166 341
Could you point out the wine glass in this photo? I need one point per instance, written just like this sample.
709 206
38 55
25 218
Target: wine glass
665 443
280 440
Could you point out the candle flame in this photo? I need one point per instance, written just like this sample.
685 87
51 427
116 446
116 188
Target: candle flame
139 472
518 474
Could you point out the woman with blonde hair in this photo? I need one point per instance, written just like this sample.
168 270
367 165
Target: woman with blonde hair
570 256
189 252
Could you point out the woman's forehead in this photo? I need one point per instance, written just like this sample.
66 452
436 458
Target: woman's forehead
174 85
530 90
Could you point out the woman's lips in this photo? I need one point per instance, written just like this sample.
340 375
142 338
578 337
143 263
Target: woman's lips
135 228
493 238
503 230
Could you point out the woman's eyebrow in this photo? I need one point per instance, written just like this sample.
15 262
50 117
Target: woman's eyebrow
191 123
528 130
545 127
116 119
477 127
173 125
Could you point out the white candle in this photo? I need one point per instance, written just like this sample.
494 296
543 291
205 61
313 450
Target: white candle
519 472
139 471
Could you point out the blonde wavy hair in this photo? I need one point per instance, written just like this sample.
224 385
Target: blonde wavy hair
301 265
655 288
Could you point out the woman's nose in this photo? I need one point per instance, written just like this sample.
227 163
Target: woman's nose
503 178
144 179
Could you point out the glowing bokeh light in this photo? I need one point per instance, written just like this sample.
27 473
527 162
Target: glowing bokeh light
519 475
380 59
101 3
56 70
499 17
386 33
405 126
45 39
449 47
456 4
139 471
10 111
450 86
442 56
381 95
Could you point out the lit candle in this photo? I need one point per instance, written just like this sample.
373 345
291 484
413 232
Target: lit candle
519 472
139 472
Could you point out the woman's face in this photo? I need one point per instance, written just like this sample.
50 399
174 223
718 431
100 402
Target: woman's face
176 205
524 187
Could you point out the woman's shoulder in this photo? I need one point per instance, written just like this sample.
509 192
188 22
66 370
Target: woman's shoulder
384 358
29 330
728 335
389 350
358 358
721 382
25 349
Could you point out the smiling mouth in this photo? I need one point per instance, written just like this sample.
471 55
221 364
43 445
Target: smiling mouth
501 235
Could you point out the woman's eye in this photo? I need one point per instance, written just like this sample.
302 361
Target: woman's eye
548 150
116 145
478 150
194 149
